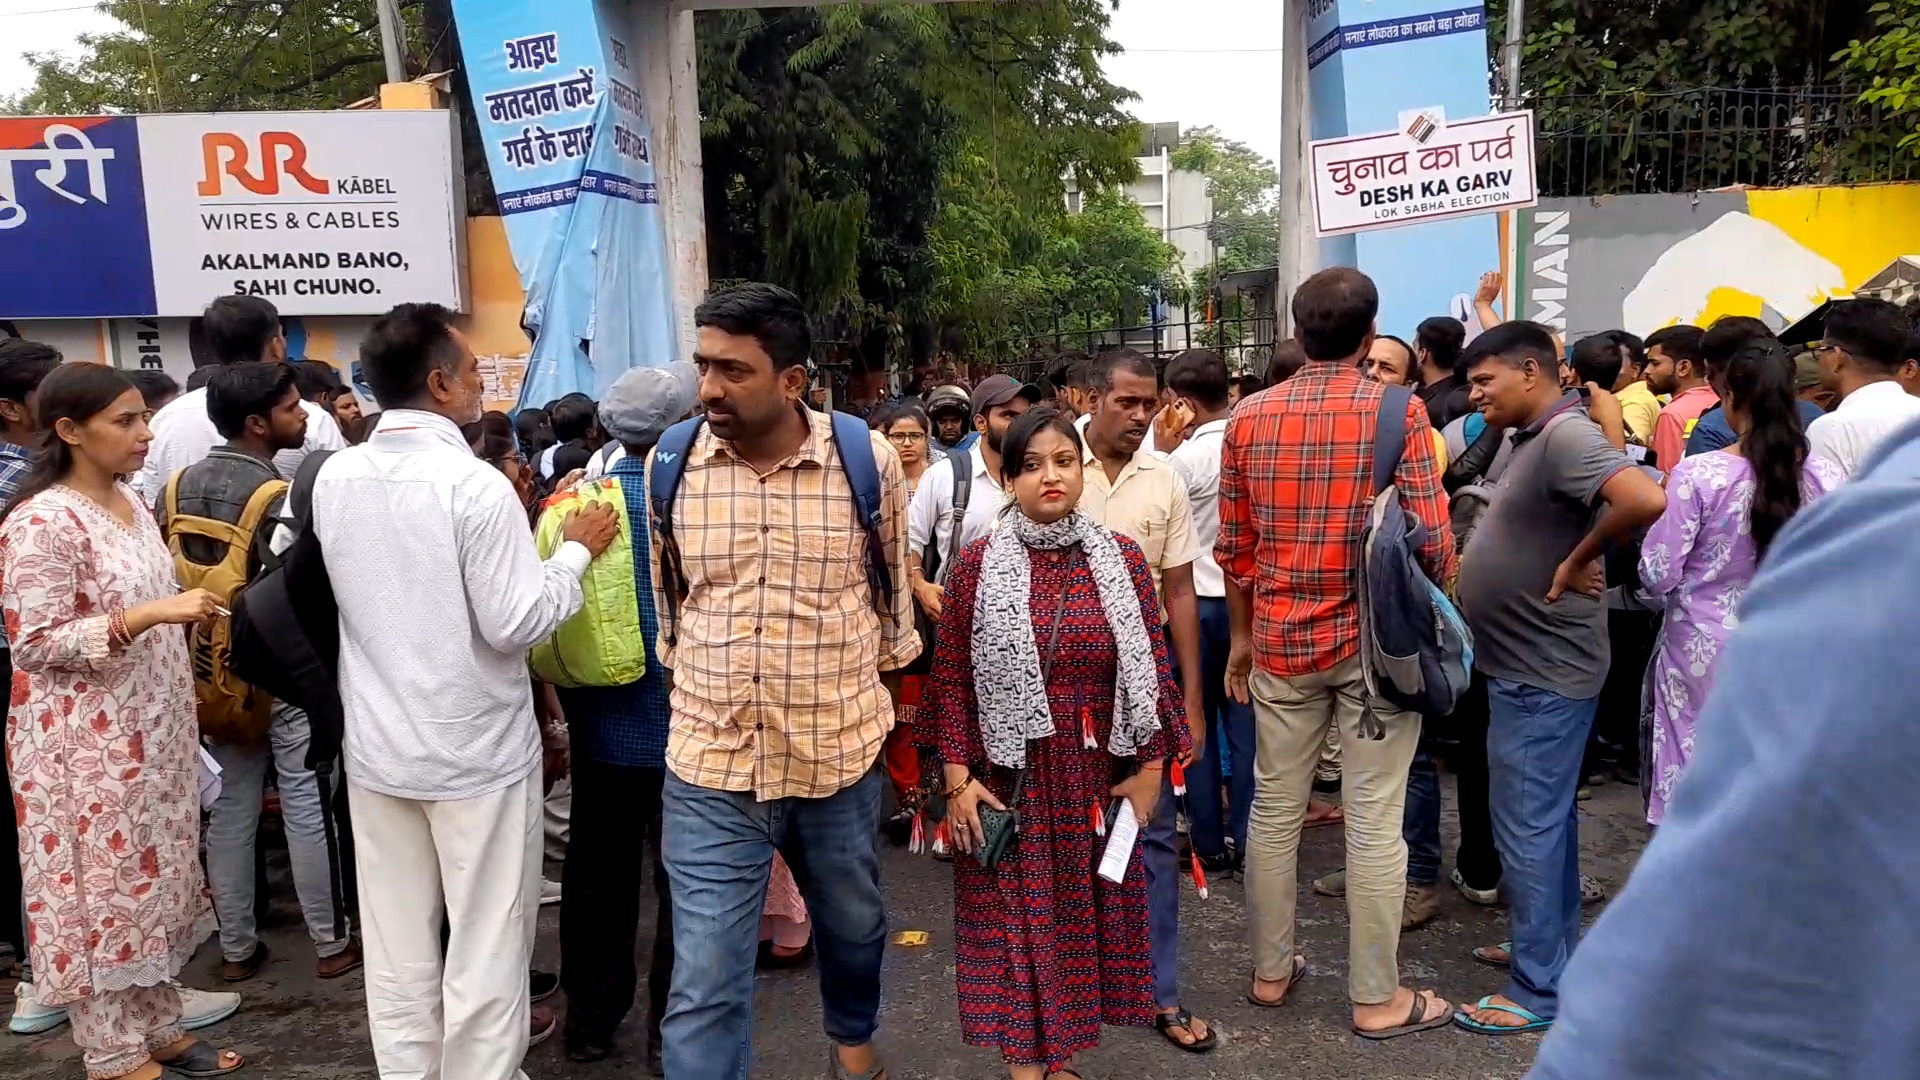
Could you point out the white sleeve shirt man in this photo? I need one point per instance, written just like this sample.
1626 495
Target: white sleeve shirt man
930 514
183 434
1849 433
1198 460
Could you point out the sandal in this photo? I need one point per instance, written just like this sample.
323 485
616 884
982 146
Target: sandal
840 1072
1164 1023
1065 1070
1417 1020
1293 980
201 1059
1481 1027
1484 954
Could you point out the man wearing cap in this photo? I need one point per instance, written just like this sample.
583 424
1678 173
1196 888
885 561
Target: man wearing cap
932 542
952 415
619 742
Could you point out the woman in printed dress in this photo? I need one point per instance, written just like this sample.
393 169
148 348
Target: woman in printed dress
103 743
1723 509
1048 665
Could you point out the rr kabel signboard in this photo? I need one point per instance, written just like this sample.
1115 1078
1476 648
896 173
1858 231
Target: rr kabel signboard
323 213
1425 172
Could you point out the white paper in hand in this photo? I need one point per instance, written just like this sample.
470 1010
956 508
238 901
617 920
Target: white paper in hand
209 779
1126 830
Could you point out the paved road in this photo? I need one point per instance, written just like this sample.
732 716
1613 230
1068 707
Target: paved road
295 1028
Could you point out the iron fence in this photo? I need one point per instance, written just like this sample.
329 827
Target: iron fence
1699 139
1245 341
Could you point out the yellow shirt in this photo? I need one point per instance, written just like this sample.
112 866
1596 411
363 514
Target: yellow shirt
1640 409
1148 503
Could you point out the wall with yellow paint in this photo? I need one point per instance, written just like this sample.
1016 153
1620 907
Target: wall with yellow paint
1641 262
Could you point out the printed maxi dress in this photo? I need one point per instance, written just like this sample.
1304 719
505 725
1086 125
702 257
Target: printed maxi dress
1045 951
1700 555
103 752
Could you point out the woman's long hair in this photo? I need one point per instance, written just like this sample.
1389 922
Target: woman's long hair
76 392
1760 383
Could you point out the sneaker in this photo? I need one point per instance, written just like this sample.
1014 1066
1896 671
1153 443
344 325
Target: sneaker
201 1008
1483 897
30 1017
1422 904
549 892
1591 891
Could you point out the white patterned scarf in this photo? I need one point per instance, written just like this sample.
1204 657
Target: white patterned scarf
1007 680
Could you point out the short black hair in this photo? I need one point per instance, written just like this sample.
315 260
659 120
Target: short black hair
1682 342
1249 385
1288 359
1013 448
1597 359
239 328
1913 346
404 346
316 379
1873 331
237 391
903 409
572 417
1728 335
1101 370
766 313
1068 369
1201 375
570 456
22 365
1636 354
1443 336
156 386
1333 311
197 380
1514 343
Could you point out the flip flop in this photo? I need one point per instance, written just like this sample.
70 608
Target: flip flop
1533 1021
1293 980
1337 817
201 1059
1417 1021
1164 1023
1481 954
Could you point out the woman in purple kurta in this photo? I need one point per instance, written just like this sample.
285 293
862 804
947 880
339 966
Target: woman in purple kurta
1723 508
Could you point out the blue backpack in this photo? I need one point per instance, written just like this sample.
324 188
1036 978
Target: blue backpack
854 444
1416 652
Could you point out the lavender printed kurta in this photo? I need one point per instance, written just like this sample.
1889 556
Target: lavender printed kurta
103 749
1700 555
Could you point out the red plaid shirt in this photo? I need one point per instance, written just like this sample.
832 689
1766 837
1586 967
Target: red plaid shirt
1296 479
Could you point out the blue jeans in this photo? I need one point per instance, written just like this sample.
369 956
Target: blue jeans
1229 736
1420 826
1536 740
719 847
1160 853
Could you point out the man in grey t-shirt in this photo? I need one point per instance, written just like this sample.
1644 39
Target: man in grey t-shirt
1530 586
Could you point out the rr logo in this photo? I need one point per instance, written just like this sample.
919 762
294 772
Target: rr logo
281 152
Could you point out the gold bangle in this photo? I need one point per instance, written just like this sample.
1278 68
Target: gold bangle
958 788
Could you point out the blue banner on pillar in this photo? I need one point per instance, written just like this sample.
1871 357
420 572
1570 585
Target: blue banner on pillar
570 148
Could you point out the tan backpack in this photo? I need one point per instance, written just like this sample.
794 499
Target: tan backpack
231 711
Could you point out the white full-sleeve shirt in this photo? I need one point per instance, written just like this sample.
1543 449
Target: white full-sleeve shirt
441 595
183 434
1849 433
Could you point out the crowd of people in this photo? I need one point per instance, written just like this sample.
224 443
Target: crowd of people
1028 628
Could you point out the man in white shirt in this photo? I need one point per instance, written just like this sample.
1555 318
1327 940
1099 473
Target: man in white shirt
1860 359
1200 385
445 596
239 329
997 402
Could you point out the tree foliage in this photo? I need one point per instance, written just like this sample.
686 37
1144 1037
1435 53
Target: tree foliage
1888 63
1245 230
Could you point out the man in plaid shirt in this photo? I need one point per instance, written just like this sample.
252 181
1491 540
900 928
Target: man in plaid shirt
1295 485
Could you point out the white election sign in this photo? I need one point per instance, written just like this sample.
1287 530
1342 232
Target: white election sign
323 213
1427 172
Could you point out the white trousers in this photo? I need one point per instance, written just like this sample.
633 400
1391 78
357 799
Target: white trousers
461 1015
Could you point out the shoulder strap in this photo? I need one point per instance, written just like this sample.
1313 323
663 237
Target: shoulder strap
962 462
1390 435
300 496
262 501
663 486
171 497
854 440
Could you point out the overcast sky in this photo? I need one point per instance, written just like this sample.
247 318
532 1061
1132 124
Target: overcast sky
1195 61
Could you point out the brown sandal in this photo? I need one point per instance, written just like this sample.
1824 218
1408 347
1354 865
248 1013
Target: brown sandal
1417 1020
1293 980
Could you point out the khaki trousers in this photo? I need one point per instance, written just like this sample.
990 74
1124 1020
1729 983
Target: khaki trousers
1291 721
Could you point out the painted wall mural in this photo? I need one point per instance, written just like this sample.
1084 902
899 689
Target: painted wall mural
1640 262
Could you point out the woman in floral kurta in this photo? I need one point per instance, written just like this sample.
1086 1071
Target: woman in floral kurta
103 741
1701 556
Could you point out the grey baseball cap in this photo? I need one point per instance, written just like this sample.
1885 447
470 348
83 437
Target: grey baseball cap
646 401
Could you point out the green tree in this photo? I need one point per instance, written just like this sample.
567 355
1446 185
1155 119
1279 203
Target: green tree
1888 63
1242 185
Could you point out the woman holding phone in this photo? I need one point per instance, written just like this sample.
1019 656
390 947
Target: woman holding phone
1050 697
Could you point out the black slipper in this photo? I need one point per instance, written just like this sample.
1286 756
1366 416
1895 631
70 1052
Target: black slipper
1293 980
201 1059
1181 1018
1417 1020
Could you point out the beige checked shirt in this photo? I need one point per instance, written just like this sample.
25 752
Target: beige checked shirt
776 668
